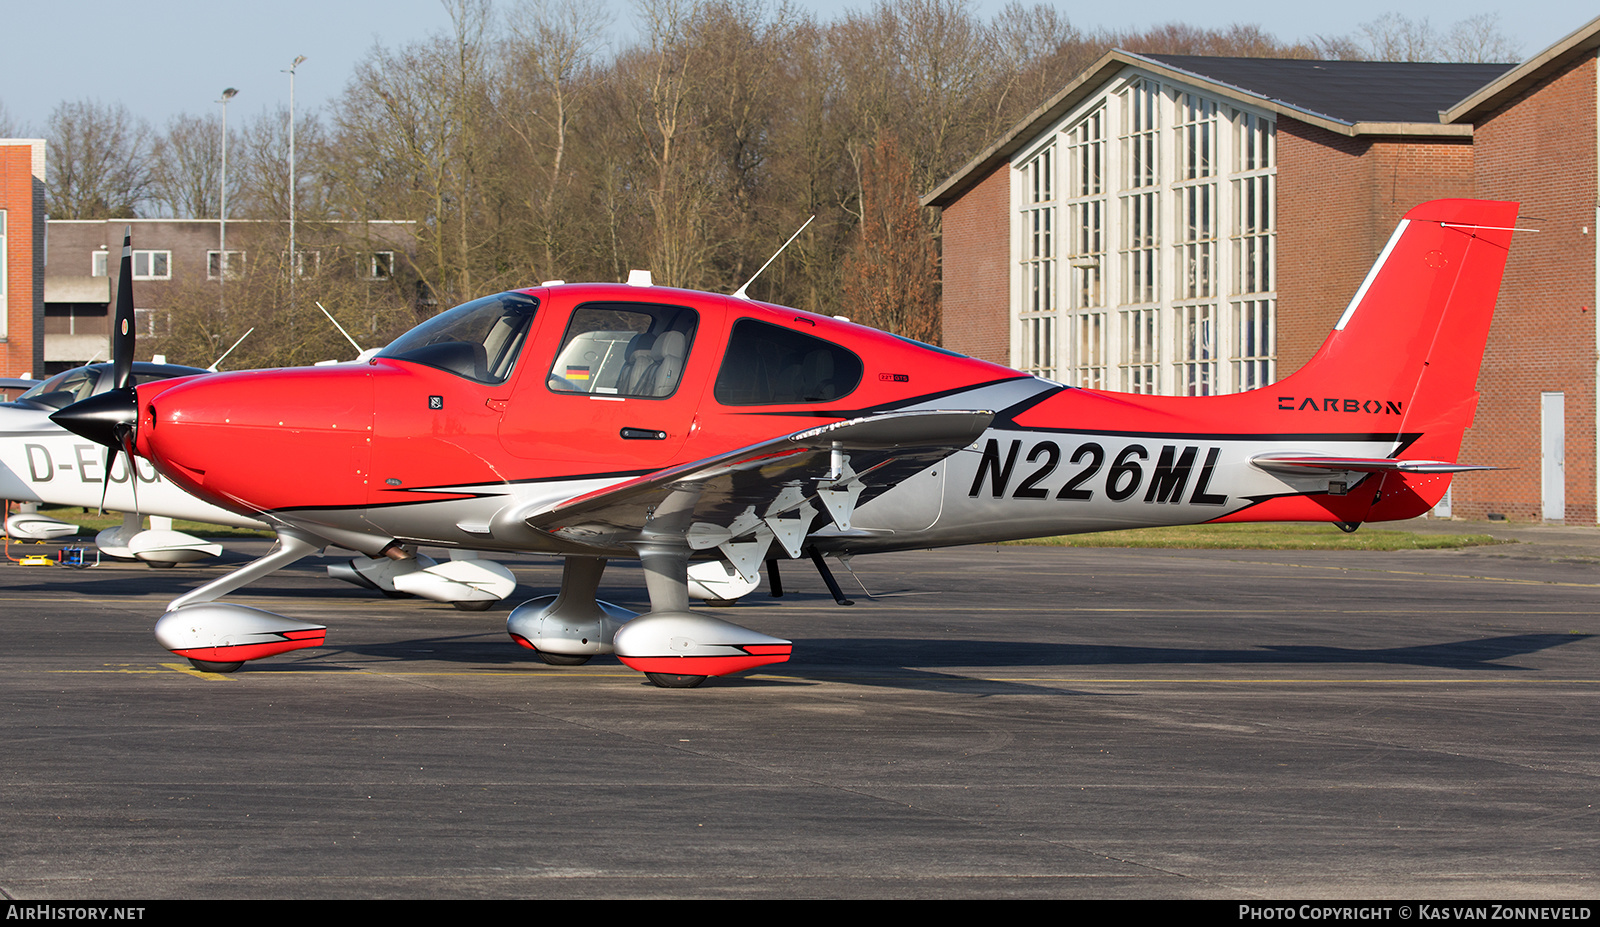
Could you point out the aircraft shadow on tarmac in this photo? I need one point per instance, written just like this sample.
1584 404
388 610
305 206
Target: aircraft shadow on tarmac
905 663
1475 654
818 659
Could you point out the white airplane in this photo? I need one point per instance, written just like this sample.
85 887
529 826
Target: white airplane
593 421
41 462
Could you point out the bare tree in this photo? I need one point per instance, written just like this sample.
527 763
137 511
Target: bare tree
1336 48
99 162
1038 51
10 128
1479 39
522 150
258 161
890 280
187 167
192 329
1395 37
412 133
663 75
553 44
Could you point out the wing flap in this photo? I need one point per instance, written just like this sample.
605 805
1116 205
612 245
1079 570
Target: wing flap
742 501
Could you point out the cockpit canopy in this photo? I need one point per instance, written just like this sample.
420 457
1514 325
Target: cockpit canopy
479 340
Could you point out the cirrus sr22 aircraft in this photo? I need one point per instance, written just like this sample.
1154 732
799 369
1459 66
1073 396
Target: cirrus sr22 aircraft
596 421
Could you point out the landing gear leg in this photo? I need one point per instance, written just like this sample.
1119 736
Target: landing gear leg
827 577
291 546
219 637
569 628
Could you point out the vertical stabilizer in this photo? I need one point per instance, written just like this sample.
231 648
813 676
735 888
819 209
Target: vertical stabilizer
1413 336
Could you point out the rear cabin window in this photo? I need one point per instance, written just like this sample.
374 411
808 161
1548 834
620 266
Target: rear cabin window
624 349
771 365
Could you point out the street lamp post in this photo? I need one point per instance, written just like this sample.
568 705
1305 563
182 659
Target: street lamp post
294 256
222 239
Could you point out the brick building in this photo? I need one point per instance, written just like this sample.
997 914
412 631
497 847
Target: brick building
168 254
22 238
1535 140
1190 225
58 277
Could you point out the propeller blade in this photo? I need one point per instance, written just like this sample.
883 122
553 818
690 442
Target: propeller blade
124 436
122 333
133 467
105 478
111 418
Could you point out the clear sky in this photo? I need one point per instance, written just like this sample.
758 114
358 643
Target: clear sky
163 59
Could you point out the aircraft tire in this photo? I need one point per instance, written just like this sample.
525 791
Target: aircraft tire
161 564
206 666
564 659
475 605
675 680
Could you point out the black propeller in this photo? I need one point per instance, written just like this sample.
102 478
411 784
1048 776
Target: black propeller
112 417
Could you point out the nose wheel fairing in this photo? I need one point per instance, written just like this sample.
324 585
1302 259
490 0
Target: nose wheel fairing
221 632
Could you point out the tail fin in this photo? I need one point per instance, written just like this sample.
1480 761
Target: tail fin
1413 336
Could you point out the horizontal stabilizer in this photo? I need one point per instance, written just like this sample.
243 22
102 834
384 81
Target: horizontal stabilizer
1299 465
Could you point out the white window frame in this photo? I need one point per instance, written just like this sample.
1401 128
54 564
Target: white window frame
149 258
302 259
1165 268
1039 353
380 265
1085 237
232 265
146 321
1255 340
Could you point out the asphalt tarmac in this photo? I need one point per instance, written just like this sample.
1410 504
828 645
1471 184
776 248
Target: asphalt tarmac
998 722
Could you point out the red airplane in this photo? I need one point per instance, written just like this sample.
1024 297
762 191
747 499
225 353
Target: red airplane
595 421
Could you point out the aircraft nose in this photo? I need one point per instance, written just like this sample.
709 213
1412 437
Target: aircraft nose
104 419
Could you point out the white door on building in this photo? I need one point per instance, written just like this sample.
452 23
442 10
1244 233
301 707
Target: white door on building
1553 454
1442 510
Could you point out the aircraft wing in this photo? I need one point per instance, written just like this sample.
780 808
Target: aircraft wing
742 501
1293 465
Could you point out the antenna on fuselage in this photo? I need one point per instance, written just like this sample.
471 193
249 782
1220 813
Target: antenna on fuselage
218 362
340 328
740 293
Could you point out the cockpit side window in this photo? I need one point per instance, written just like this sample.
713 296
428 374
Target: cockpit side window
768 365
479 340
624 349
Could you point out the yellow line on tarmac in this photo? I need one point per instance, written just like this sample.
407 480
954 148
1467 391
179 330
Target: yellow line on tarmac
198 674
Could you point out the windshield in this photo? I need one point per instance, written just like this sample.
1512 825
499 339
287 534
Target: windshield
479 340
69 386
64 388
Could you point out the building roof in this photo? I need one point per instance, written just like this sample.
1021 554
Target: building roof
1350 92
1345 97
1583 41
